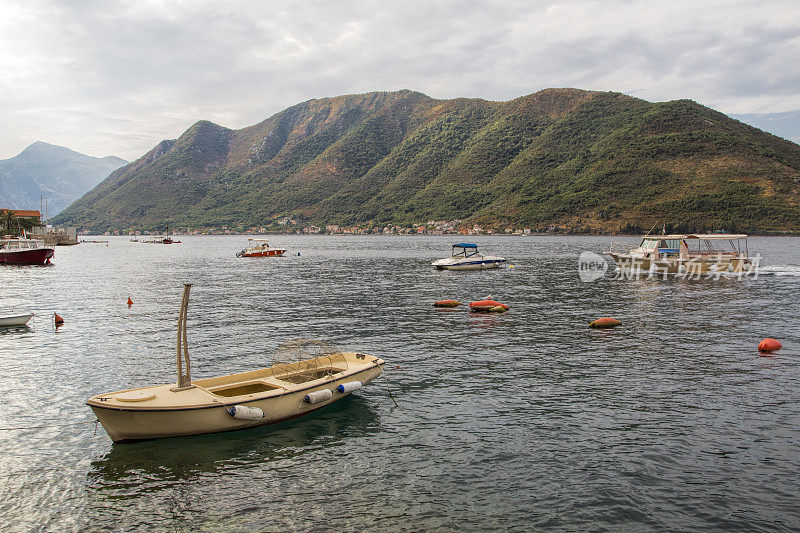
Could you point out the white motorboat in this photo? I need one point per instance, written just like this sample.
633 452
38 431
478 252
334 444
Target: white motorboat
14 321
465 256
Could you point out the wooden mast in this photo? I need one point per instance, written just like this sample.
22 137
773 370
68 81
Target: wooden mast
184 380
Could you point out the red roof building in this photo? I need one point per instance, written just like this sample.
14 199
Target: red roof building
23 213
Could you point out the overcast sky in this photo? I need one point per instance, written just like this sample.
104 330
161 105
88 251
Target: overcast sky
114 78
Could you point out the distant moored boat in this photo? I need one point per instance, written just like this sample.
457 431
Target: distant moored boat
260 248
14 251
691 254
465 256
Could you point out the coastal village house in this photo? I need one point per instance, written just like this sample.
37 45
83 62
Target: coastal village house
13 221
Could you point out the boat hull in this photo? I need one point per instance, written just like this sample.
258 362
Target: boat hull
682 266
483 265
14 321
265 253
133 424
473 262
36 256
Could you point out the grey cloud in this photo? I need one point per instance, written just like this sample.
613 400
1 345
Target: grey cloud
126 75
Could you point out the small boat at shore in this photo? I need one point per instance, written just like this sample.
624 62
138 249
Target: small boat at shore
15 321
306 376
21 251
465 256
686 254
260 248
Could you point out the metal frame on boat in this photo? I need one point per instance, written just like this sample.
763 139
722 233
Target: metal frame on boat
236 401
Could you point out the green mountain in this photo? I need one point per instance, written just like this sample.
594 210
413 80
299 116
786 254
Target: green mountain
52 173
590 161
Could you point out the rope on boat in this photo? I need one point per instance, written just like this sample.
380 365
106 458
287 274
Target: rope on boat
95 422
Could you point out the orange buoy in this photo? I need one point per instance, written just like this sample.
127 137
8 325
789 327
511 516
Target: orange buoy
58 320
769 345
130 302
446 303
604 323
487 306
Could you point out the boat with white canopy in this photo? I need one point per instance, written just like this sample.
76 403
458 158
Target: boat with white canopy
692 253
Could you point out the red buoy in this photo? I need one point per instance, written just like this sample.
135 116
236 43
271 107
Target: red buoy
446 303
769 345
604 323
130 302
488 306
58 319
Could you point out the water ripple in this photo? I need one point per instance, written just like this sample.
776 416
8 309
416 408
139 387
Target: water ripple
517 421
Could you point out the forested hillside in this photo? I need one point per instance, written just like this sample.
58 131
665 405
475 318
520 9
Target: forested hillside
589 161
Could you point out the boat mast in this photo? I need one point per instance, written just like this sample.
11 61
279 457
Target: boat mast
184 380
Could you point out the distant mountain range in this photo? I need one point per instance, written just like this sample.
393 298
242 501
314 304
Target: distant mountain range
53 173
584 160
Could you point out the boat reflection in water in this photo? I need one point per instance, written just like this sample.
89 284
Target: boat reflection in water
6 330
145 465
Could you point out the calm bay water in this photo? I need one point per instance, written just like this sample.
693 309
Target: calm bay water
517 421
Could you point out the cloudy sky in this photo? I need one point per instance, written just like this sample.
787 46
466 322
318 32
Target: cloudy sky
105 77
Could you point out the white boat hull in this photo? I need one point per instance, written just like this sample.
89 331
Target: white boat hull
11 321
470 263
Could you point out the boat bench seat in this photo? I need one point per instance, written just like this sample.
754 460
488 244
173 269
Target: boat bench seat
303 376
238 389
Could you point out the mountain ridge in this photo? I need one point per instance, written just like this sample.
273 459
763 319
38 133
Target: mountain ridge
587 160
55 173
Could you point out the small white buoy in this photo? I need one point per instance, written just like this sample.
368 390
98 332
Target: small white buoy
318 396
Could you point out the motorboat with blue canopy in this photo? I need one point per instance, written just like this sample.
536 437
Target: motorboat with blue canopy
465 256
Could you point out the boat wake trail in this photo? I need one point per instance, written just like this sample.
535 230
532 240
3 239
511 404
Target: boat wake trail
779 270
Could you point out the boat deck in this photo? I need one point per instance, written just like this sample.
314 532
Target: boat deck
274 381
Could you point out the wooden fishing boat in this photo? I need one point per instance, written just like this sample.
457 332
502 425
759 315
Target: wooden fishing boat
14 321
287 389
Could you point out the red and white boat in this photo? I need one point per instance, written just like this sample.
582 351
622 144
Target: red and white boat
260 248
14 251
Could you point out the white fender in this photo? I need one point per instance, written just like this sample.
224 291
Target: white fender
318 396
350 386
242 412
